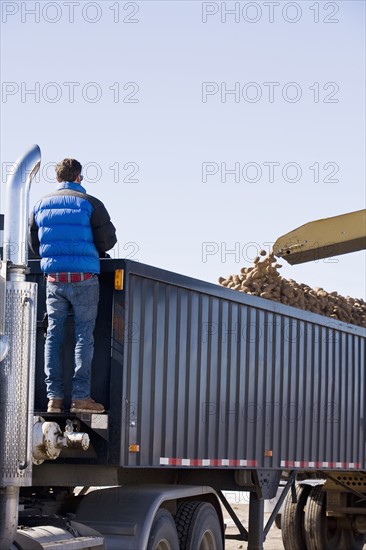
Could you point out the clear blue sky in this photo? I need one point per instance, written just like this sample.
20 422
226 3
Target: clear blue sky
139 92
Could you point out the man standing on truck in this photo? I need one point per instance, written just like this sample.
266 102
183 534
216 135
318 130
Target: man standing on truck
70 231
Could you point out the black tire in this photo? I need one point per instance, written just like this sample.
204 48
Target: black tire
326 533
163 533
198 526
278 521
292 520
353 540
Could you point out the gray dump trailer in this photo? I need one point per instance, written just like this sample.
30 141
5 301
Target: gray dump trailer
206 390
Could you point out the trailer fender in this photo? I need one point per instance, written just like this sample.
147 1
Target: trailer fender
125 515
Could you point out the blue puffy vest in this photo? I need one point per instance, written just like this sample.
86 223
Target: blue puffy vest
65 233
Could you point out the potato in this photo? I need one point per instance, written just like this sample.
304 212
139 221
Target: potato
263 279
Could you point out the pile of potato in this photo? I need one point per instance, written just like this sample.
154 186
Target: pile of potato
264 280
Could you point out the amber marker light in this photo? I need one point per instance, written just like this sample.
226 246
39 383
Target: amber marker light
118 279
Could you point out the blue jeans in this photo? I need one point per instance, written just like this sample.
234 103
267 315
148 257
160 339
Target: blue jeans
83 298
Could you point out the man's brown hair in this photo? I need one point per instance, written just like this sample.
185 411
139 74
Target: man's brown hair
68 170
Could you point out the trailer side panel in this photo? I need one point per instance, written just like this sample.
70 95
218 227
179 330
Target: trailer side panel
217 378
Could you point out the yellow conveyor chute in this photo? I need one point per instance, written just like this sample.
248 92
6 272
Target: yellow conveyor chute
323 238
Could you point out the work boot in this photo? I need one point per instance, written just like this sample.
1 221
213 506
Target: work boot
86 405
55 405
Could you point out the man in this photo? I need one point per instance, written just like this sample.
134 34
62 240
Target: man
70 230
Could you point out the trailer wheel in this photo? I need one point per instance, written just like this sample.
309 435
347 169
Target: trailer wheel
198 526
326 533
163 533
354 540
292 520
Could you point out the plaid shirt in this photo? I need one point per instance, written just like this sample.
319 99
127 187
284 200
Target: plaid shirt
68 277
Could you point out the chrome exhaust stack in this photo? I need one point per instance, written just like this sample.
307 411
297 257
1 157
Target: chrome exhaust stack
17 213
18 305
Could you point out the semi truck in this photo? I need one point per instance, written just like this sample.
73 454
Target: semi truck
206 390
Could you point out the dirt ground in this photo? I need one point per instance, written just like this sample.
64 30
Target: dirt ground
274 538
